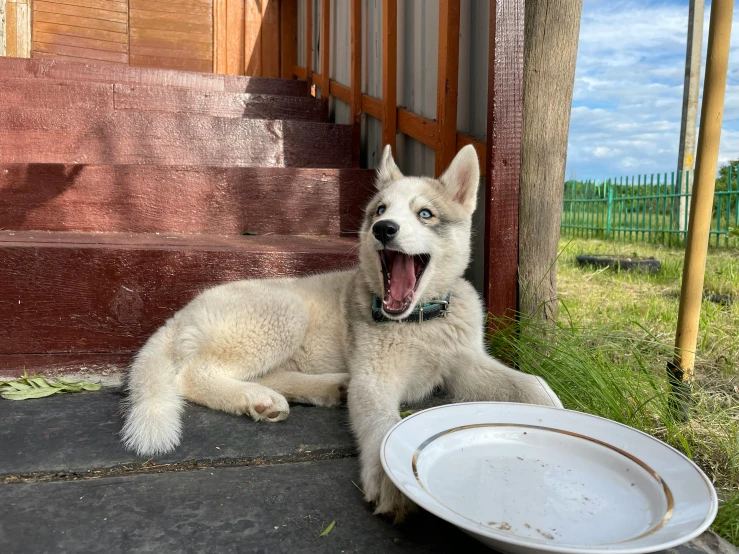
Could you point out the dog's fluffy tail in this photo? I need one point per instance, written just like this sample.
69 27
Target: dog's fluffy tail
154 405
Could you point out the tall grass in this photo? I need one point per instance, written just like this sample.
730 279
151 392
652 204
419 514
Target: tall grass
621 374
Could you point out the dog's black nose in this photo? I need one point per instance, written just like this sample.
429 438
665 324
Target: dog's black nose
385 230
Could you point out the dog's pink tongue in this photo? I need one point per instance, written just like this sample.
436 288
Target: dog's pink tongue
403 277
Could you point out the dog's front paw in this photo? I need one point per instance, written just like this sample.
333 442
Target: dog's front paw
388 500
393 503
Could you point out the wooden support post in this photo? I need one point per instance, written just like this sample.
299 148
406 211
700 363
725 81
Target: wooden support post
356 61
252 38
325 47
309 43
2 27
220 36
389 72
23 45
270 38
235 20
18 28
355 81
681 370
447 85
11 29
288 37
503 156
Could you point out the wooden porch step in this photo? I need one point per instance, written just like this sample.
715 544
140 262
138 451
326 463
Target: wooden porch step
127 137
81 95
36 68
221 104
72 298
185 200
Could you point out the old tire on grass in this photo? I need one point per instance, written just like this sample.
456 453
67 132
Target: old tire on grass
620 263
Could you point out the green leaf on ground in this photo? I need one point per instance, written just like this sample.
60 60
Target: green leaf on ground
405 414
327 530
38 386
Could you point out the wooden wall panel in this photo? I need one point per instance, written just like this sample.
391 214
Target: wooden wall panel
261 38
86 30
173 34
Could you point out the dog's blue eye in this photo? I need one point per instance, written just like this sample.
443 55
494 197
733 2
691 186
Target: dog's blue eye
425 214
380 209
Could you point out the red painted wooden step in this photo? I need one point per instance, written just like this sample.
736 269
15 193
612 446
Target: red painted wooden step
109 73
167 199
222 104
71 298
123 137
55 95
66 95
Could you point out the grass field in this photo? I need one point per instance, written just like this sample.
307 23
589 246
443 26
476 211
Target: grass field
608 355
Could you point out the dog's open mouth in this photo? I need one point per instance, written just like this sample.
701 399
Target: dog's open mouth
401 274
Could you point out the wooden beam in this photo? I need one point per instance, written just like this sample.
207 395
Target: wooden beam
372 106
300 72
340 91
309 42
325 46
355 100
418 127
503 156
463 139
288 37
447 85
389 72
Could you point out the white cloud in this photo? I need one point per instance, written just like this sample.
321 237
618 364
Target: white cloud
627 100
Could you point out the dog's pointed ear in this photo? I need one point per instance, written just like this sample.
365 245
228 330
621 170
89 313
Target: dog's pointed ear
387 171
462 177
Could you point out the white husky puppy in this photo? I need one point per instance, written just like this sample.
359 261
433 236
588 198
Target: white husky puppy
403 323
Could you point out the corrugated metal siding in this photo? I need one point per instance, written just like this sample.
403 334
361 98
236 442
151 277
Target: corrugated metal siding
340 59
418 61
371 79
472 107
473 67
418 30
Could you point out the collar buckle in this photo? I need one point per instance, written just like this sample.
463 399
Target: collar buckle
443 309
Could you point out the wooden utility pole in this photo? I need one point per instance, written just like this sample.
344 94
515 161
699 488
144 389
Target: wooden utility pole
550 52
681 369
686 150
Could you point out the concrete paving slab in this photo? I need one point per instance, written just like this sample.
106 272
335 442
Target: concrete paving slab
79 432
269 509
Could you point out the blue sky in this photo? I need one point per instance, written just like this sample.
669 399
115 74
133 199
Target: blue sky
628 88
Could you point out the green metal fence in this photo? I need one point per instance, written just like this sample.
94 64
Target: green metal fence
646 208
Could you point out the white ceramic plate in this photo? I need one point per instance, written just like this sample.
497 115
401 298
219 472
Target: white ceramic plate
529 479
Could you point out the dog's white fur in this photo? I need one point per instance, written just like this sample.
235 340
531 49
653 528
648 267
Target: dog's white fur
250 346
